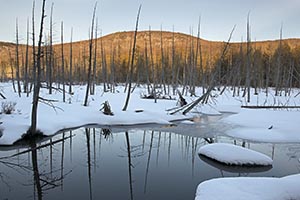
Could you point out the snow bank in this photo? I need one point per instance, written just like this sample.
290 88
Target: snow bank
234 155
72 113
274 126
249 188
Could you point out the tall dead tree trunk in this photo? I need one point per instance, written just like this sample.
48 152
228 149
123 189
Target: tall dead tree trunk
33 129
90 59
173 64
51 54
152 66
278 71
26 61
132 61
95 61
71 63
33 49
103 63
12 70
162 62
248 63
17 59
63 62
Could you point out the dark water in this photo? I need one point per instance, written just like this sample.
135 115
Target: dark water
133 164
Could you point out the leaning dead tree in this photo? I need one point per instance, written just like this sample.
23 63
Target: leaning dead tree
90 58
204 98
132 61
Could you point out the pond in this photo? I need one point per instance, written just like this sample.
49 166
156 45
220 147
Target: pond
128 163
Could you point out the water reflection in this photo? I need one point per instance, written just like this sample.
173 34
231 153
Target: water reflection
42 180
94 163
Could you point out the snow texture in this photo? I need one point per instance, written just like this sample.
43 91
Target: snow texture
234 155
245 124
250 188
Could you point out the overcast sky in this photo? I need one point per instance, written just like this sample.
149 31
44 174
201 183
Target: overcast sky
217 17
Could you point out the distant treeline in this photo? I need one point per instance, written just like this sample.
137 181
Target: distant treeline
162 58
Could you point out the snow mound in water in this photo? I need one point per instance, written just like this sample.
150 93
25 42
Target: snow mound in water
234 155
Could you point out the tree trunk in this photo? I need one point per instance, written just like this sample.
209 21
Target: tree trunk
17 60
90 59
63 62
71 63
33 128
132 61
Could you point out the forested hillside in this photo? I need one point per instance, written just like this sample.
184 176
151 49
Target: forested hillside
161 57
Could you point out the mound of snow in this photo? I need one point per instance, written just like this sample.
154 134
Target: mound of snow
249 188
234 155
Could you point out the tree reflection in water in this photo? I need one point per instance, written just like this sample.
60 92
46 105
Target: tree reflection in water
42 181
142 164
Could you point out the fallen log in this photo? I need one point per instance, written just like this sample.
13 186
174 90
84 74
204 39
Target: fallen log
271 107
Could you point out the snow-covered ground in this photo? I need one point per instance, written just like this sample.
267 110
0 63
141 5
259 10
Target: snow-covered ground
72 113
246 123
250 188
255 125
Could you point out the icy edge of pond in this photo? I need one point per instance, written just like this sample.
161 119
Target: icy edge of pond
271 126
16 125
234 155
249 188
264 135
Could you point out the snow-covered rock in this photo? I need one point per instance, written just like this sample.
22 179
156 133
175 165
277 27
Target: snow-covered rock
234 155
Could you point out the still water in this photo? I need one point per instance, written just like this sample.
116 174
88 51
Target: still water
127 163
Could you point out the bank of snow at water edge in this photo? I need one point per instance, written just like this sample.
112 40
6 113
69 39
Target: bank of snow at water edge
72 113
230 154
262 125
272 126
250 188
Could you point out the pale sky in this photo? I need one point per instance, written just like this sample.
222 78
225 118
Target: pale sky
217 17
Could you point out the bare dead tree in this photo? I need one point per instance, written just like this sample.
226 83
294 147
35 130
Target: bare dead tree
63 62
51 54
132 61
162 62
90 58
103 63
33 48
95 60
17 59
25 88
278 70
248 63
204 98
173 63
71 63
152 66
37 82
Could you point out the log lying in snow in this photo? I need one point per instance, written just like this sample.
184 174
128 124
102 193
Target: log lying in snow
271 107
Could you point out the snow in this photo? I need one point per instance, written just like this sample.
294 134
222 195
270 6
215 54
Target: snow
250 188
234 155
274 126
244 124
72 113
253 125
